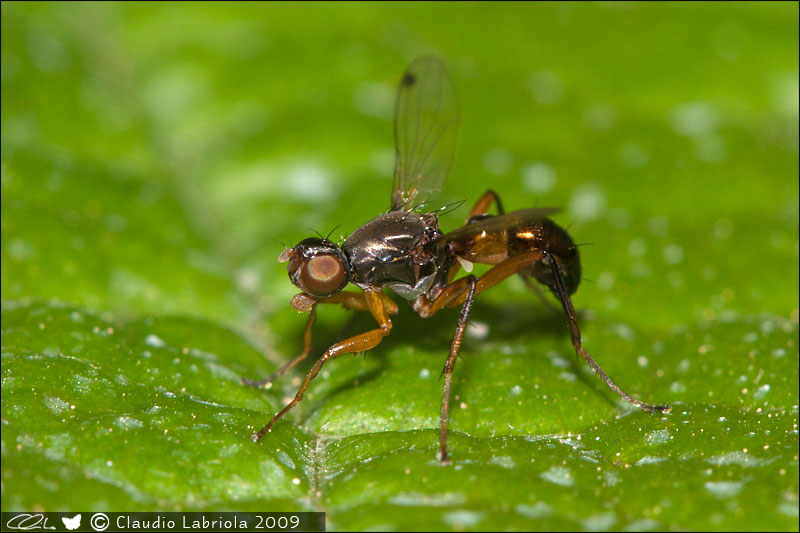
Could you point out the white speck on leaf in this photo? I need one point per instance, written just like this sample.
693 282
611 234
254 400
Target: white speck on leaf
724 489
559 475
154 341
659 436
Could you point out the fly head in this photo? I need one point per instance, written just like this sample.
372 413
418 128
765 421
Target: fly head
317 266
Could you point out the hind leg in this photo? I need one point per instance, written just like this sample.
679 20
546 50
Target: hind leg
481 207
577 343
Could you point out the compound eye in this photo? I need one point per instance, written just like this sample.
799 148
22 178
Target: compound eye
322 275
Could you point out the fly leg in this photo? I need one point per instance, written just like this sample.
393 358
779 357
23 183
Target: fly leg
305 302
482 205
375 301
463 292
267 381
455 293
575 336
450 364
538 292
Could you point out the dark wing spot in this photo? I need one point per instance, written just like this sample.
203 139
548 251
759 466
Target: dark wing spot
409 79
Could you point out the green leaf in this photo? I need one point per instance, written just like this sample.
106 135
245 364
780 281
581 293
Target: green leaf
153 154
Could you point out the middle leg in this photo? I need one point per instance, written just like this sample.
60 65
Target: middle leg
450 364
455 293
463 291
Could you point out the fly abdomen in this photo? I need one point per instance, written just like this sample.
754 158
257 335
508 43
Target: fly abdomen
493 239
548 237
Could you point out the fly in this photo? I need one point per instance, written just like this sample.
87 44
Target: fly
404 250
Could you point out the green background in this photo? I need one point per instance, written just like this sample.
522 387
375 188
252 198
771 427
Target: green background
153 155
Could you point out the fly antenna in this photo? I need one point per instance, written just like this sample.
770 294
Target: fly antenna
279 242
331 232
315 232
419 205
449 208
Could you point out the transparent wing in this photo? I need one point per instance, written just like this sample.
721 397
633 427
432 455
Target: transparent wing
426 122
501 222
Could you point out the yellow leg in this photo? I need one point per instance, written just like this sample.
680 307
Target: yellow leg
359 343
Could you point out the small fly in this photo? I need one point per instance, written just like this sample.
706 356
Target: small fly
404 250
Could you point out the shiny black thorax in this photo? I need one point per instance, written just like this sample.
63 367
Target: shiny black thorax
396 250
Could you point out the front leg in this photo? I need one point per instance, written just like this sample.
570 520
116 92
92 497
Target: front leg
266 383
306 303
359 343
